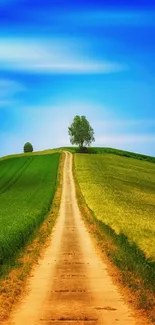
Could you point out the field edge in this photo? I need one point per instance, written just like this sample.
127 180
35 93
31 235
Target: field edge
113 249
112 151
13 286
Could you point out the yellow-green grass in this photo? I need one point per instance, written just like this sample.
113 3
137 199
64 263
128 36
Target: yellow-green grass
121 192
27 188
116 198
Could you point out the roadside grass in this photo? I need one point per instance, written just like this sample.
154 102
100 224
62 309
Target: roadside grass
116 197
27 188
14 276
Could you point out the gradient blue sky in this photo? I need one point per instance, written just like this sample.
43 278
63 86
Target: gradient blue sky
61 58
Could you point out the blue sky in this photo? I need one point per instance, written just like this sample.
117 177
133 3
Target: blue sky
61 59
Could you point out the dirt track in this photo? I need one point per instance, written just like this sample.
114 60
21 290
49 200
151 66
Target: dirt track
71 284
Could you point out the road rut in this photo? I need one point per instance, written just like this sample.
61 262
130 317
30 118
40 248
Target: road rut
71 284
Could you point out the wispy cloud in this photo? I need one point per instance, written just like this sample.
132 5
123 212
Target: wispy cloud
7 2
125 123
135 17
8 90
10 87
106 140
51 56
6 103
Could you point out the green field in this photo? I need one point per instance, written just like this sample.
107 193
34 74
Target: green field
121 192
27 187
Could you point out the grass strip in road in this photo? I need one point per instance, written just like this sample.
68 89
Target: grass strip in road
132 269
13 283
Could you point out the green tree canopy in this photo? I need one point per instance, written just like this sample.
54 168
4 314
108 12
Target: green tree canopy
80 131
28 147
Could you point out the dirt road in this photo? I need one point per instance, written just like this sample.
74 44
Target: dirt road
71 284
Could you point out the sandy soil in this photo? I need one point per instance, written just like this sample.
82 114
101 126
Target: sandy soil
71 284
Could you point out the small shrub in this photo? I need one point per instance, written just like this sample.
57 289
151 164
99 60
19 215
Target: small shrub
28 147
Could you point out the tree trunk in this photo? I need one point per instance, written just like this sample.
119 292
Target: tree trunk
81 145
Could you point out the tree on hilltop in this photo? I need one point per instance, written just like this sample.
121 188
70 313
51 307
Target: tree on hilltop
80 131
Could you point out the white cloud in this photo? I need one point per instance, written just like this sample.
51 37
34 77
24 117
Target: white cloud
124 123
140 143
8 88
51 56
129 134
106 140
6 103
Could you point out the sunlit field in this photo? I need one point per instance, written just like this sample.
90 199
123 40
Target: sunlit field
121 192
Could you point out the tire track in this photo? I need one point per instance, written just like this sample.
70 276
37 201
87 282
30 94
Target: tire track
16 176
